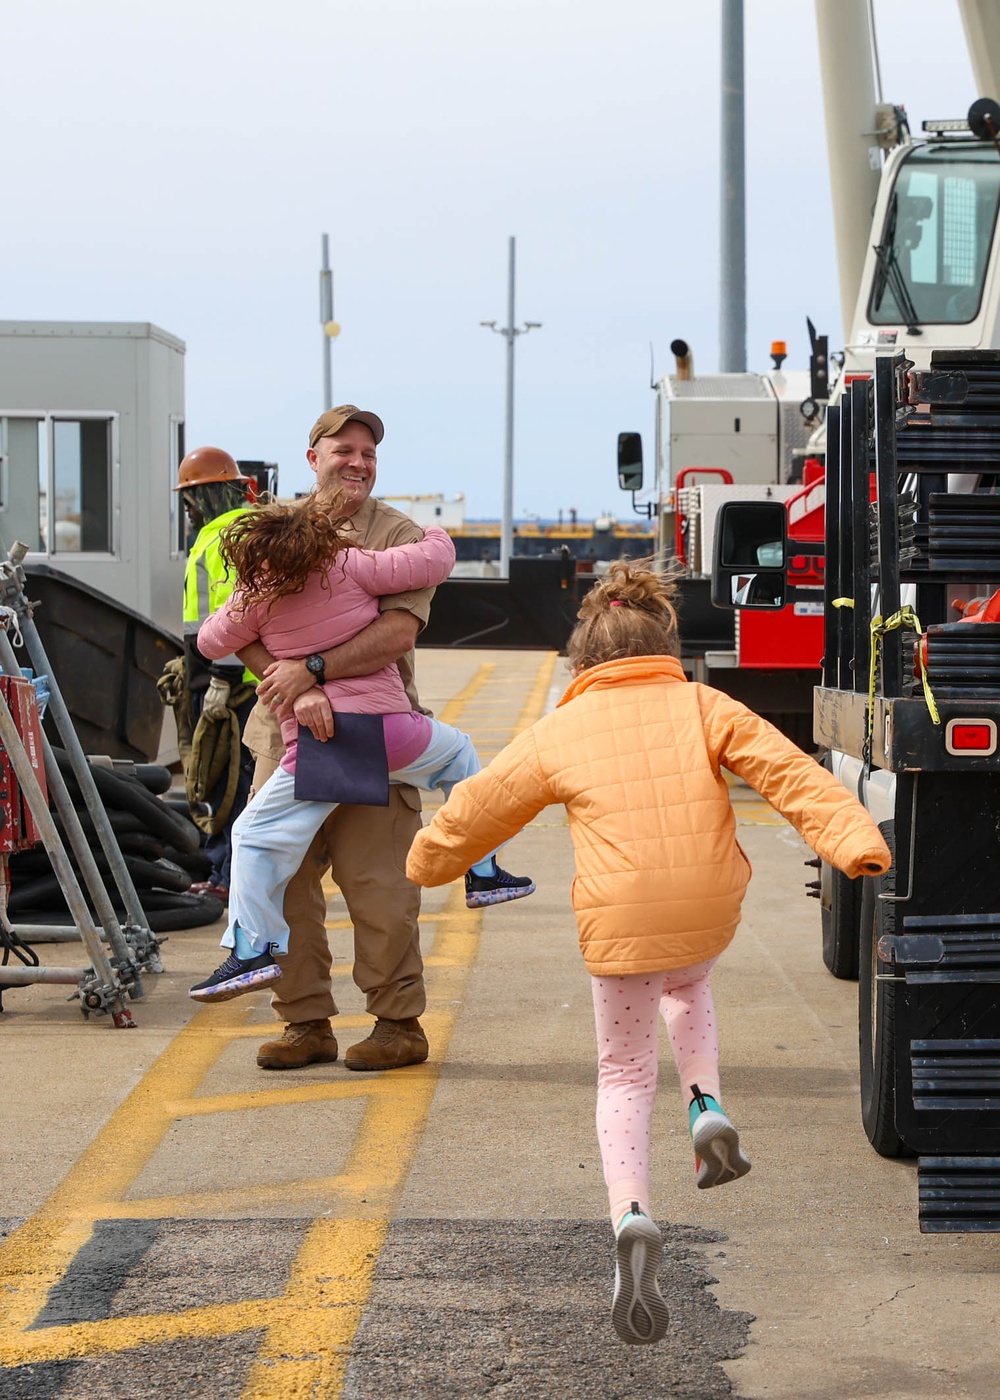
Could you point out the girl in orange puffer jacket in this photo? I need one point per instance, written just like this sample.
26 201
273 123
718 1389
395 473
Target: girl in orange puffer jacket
635 753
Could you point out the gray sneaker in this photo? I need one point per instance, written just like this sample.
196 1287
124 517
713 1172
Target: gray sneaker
638 1312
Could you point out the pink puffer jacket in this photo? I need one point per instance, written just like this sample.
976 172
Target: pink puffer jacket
635 753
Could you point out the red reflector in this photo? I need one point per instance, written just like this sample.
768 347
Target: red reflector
971 736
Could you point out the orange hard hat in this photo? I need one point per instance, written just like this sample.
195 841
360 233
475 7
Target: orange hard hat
203 465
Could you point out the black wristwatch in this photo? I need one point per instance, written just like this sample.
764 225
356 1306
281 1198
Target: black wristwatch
316 666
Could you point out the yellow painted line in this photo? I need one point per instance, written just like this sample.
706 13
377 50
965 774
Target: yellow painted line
104 1338
534 706
324 1194
34 1257
455 706
261 1030
267 1098
306 1350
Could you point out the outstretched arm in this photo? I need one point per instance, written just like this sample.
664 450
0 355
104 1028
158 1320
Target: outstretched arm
823 812
482 813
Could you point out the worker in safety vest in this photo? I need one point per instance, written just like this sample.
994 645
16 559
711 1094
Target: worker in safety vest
214 493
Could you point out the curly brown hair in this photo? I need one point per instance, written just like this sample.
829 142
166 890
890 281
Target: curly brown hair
273 550
630 612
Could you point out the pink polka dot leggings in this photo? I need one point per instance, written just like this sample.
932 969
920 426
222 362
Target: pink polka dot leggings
625 1014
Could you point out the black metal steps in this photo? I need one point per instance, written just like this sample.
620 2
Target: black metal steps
934 948
963 658
959 1195
960 1075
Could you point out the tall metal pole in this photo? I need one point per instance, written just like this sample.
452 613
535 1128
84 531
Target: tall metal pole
327 322
507 518
733 253
510 332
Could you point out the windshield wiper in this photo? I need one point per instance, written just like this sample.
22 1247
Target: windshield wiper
892 274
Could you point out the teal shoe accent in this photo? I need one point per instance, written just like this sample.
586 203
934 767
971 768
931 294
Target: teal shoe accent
701 1103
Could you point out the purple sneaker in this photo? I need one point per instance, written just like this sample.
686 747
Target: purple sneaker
237 976
497 888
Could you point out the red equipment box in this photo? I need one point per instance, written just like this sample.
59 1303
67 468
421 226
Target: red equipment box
18 828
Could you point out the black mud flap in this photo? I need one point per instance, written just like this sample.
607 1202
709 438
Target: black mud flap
959 1195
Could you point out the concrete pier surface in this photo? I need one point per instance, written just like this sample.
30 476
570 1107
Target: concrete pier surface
178 1223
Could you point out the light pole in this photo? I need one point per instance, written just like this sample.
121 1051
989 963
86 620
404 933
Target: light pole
510 332
330 328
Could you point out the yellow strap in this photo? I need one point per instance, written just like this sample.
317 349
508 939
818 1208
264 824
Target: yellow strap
842 602
906 617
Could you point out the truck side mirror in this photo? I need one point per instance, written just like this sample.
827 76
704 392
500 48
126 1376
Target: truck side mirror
751 556
630 461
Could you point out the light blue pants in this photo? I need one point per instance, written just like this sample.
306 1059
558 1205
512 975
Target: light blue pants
273 834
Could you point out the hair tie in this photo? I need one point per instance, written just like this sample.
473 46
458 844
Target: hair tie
616 603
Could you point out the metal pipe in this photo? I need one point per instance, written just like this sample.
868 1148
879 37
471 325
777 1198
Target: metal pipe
24 976
75 833
65 874
507 518
46 933
732 221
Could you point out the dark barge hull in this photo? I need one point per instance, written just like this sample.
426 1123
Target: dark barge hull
106 659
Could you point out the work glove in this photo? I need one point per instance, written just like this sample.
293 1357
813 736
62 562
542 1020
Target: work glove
216 704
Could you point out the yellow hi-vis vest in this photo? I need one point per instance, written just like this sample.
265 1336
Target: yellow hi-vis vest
207 584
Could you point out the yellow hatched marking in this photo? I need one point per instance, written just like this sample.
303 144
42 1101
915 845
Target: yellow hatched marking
455 706
311 1326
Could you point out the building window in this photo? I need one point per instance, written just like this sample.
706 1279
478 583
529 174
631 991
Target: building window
57 482
179 542
81 486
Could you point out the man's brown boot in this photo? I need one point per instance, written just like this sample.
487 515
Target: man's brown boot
303 1043
391 1045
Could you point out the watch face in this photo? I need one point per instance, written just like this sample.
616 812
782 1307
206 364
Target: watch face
315 664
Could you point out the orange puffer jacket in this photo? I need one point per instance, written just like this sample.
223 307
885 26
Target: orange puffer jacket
635 753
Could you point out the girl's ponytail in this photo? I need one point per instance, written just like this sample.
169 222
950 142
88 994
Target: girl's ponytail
629 612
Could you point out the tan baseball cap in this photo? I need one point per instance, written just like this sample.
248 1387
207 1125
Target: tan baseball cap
334 419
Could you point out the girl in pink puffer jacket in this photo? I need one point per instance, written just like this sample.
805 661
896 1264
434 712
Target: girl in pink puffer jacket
635 752
302 589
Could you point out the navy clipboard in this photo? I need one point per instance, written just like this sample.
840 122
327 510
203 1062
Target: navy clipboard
351 767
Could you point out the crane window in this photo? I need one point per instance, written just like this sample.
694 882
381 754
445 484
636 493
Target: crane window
936 241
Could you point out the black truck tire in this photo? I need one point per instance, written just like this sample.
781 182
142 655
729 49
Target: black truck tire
877 1014
130 795
165 912
842 925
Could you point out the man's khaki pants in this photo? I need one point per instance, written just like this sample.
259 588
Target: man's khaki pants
365 848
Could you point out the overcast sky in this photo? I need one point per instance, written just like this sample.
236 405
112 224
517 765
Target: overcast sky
179 164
